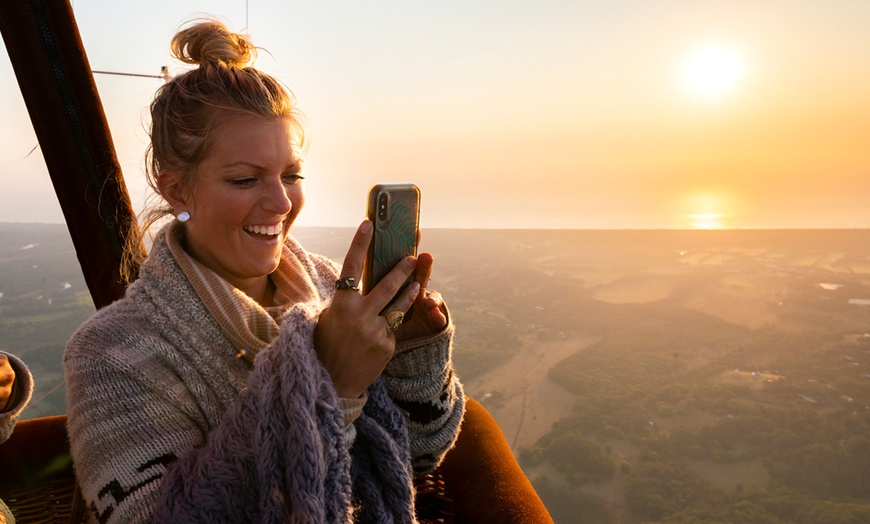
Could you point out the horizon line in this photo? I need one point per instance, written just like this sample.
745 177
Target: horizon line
650 229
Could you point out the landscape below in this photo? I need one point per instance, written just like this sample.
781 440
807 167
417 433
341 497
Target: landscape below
640 376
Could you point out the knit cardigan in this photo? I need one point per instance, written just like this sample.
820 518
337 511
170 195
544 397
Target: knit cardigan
167 424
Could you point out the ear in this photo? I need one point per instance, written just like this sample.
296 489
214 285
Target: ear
173 189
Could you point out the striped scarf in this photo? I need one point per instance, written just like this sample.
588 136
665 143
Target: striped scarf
247 324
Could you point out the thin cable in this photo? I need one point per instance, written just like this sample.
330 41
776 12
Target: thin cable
126 74
31 151
164 74
40 399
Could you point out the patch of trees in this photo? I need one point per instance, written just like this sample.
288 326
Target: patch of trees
483 342
580 459
657 489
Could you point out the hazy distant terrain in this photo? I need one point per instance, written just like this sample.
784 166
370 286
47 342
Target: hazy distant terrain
661 376
43 299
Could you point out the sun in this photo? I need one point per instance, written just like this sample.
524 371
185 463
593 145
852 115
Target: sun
715 71
706 209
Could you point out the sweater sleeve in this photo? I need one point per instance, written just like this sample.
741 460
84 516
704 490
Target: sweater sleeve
124 434
421 381
22 390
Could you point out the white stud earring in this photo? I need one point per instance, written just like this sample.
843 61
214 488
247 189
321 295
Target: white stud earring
184 216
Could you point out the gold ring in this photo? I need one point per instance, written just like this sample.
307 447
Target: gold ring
394 321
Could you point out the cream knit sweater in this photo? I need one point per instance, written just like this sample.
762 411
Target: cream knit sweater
156 391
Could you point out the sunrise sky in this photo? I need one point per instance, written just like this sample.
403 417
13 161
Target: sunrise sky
522 114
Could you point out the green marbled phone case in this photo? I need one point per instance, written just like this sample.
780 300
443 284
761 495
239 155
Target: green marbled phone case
394 209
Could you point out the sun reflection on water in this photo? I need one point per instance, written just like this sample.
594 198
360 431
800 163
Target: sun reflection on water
707 221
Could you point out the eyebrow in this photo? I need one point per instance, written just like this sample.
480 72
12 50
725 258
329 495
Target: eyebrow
297 164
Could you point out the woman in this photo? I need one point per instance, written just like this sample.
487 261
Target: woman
241 378
16 388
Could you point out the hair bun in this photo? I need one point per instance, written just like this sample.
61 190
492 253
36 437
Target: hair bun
211 41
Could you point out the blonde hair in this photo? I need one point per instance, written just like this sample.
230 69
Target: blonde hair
188 109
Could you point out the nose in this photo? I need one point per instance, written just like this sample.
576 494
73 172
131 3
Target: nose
275 199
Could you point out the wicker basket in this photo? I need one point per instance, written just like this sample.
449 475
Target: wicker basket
434 503
46 502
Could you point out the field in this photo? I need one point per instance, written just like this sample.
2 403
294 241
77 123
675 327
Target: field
639 376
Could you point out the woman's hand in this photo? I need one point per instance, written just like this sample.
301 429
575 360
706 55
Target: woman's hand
7 379
428 317
351 338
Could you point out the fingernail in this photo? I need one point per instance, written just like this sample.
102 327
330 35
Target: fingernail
411 261
415 288
366 226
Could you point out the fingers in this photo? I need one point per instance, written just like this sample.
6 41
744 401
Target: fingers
7 378
424 269
386 290
404 302
433 299
389 286
356 254
399 308
7 374
427 299
428 306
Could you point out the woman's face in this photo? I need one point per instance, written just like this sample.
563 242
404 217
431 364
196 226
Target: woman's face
246 194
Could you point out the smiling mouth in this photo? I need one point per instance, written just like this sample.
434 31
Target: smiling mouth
265 231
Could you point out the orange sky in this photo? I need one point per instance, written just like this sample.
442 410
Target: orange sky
525 114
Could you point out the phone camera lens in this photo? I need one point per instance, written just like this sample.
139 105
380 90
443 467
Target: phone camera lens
383 200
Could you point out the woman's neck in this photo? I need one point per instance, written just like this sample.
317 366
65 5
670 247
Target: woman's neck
262 292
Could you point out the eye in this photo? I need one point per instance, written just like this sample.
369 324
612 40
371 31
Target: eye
292 178
244 181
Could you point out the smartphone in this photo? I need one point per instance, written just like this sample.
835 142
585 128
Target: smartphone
394 210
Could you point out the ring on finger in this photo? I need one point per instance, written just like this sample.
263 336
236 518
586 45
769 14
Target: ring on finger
394 321
346 283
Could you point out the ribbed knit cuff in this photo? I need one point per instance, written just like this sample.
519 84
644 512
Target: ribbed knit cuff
421 354
421 374
351 408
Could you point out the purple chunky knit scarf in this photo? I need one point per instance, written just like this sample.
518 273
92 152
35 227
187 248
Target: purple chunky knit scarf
284 460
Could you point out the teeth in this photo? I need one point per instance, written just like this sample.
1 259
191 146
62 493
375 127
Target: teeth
264 230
